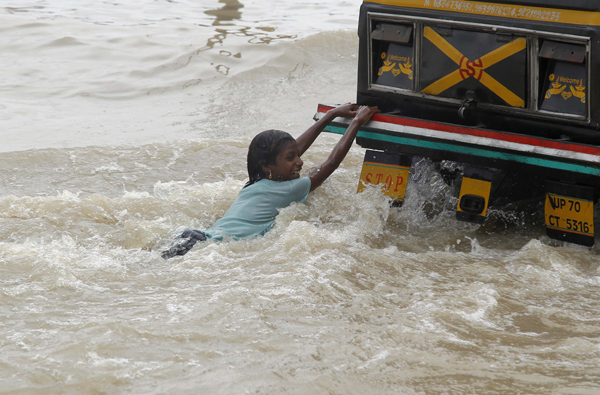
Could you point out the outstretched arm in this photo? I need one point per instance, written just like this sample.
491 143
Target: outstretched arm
307 138
337 155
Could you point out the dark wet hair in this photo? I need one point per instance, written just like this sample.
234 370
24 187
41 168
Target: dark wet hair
263 150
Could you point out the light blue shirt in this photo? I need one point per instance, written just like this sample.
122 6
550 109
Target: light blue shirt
254 210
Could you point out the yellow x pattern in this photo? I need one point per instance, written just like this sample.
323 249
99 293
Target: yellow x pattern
487 60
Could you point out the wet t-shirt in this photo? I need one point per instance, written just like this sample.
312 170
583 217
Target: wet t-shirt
254 210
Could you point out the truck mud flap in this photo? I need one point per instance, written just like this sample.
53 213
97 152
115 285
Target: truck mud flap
474 195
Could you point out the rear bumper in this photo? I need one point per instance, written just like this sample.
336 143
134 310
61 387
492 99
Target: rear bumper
552 159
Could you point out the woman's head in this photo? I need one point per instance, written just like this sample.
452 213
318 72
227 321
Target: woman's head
263 152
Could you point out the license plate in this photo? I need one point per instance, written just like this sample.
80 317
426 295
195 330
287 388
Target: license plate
390 171
569 215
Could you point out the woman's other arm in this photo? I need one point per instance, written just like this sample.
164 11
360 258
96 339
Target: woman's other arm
337 155
308 137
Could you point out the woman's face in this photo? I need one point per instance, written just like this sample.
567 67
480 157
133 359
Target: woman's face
287 165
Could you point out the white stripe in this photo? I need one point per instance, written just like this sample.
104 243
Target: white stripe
476 140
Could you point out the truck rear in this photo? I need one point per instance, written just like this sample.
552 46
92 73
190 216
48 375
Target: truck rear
503 88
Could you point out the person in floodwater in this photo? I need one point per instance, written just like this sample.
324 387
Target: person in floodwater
274 166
